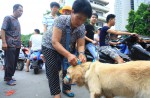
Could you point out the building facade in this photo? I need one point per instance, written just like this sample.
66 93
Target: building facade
98 6
122 8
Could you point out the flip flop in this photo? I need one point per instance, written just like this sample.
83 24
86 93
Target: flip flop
11 83
71 94
10 92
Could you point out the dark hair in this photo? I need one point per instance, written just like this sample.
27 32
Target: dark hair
100 29
95 15
37 31
110 16
52 4
82 6
16 6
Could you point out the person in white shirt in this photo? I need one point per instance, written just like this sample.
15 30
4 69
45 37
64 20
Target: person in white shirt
96 39
35 44
96 36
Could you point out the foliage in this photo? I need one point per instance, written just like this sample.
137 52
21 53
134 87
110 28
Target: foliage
138 20
25 39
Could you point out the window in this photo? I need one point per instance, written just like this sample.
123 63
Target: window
99 13
100 24
91 1
98 3
132 4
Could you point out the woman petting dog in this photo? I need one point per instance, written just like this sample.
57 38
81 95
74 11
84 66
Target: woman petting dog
129 80
54 44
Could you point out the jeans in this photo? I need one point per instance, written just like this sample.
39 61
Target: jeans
92 49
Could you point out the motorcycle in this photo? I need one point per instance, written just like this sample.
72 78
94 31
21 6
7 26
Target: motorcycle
136 51
36 63
21 61
104 58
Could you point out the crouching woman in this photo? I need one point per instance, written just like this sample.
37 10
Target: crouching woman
54 44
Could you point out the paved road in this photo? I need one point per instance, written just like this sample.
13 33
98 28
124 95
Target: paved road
30 85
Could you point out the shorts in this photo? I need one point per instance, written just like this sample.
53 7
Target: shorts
108 50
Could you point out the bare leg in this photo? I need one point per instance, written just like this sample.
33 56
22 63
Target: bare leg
119 60
42 57
57 96
27 65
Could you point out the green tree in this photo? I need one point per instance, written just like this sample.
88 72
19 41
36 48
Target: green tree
25 39
138 20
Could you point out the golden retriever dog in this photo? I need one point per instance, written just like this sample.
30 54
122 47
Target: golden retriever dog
129 80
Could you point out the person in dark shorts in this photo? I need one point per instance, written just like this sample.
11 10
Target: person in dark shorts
105 39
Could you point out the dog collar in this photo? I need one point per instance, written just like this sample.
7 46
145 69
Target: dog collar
79 62
68 79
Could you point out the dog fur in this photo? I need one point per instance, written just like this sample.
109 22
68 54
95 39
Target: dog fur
129 80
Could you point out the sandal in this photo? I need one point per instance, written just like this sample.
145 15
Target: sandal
11 83
71 94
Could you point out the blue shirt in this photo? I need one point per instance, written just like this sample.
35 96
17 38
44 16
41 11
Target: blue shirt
48 20
104 36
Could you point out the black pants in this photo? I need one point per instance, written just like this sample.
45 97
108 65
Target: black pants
53 64
11 56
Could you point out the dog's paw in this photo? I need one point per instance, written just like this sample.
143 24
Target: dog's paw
97 95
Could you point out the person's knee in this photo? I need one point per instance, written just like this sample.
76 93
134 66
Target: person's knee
119 59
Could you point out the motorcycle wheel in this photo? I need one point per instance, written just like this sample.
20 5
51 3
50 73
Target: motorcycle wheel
20 65
36 70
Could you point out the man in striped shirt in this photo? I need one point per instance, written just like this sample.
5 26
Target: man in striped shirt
48 20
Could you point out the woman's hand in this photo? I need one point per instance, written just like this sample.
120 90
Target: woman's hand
72 59
82 57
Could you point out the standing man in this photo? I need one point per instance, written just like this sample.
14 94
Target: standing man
48 20
11 42
89 36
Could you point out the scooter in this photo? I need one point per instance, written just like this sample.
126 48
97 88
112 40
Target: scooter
21 61
36 63
104 58
136 51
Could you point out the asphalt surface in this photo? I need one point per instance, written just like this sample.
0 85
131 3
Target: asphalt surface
30 85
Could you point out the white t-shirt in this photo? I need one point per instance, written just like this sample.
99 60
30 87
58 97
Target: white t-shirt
96 36
0 44
36 40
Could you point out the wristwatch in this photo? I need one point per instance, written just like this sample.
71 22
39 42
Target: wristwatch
81 53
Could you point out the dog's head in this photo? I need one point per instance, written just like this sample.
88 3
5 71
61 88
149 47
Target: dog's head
75 75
